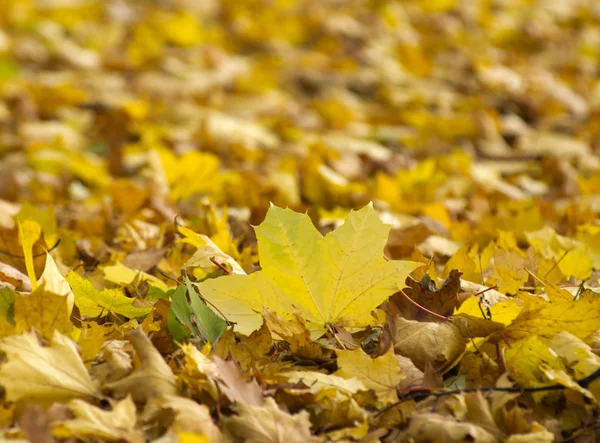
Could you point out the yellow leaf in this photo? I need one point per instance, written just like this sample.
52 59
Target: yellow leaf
463 262
209 250
294 331
333 280
121 275
46 374
94 303
192 173
523 360
268 424
509 272
94 423
317 382
53 281
91 339
181 29
382 374
191 437
571 256
503 312
45 218
42 310
580 318
189 417
29 233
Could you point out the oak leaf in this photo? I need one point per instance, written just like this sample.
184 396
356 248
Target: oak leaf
336 280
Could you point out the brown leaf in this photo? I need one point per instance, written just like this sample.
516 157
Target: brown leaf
231 381
152 379
442 301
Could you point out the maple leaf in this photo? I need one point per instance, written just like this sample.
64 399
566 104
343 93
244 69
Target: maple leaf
45 374
336 280
579 317
382 374
94 303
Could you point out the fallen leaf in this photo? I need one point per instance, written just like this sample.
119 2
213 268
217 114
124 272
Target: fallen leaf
152 379
189 416
53 281
294 331
94 423
436 427
44 374
382 374
29 233
268 424
230 379
297 263
43 311
94 303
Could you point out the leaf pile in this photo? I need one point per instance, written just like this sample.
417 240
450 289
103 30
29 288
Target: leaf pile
299 220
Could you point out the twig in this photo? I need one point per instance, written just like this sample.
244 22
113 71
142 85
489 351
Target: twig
422 307
424 393
10 254
556 264
223 268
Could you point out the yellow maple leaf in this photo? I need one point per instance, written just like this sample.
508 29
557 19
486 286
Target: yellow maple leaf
579 317
40 373
332 281
382 374
94 303
121 275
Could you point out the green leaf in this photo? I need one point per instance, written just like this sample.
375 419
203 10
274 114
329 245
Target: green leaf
7 301
94 303
191 316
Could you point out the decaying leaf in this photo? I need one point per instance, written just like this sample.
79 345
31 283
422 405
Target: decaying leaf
268 424
152 379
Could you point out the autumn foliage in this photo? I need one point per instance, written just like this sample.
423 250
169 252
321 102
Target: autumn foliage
298 221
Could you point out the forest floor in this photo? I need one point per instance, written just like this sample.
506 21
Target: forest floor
297 221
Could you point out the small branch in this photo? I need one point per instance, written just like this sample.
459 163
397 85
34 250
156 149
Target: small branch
41 254
424 393
223 268
556 264
422 307
336 337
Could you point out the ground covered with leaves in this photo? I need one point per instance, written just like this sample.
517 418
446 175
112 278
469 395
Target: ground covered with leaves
298 221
